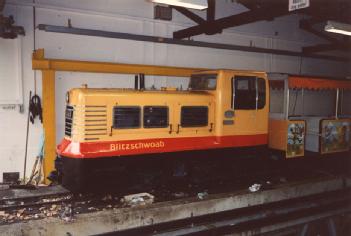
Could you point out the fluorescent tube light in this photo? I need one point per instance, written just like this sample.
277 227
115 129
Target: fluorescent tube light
337 27
194 4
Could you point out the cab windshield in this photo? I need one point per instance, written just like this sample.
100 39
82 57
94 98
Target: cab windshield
203 82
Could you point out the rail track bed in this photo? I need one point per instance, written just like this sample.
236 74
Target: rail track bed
188 205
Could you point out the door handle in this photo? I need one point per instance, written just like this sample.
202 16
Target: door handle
111 130
178 128
170 129
211 127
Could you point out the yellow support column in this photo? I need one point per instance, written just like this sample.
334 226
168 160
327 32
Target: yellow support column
49 123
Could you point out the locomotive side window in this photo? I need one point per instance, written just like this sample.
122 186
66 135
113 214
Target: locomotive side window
203 82
126 117
249 93
155 117
194 116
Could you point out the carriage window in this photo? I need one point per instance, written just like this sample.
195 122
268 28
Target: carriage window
194 116
245 91
126 117
155 117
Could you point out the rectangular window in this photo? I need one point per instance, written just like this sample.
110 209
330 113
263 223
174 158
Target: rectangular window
249 93
126 117
155 117
194 116
203 82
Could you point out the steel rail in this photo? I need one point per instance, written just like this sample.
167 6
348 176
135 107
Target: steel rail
156 39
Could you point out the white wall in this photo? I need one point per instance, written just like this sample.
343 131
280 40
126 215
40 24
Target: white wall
314 102
135 16
11 72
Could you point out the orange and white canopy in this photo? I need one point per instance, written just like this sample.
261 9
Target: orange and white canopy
313 83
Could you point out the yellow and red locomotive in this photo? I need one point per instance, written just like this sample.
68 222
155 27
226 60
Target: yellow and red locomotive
221 110
223 114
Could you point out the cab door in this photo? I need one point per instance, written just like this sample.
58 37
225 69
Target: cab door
248 105
244 104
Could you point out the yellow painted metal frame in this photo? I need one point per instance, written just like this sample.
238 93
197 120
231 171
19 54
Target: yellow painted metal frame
48 68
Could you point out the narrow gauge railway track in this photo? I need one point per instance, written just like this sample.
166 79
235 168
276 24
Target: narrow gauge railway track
13 198
225 212
240 176
54 202
267 174
8 205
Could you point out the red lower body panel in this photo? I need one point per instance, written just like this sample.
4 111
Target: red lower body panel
71 149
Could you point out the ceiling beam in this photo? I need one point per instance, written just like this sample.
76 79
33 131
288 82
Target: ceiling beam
211 10
211 17
2 5
326 47
264 13
192 16
155 39
306 25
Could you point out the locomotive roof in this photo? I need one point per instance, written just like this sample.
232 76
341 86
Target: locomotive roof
133 91
230 71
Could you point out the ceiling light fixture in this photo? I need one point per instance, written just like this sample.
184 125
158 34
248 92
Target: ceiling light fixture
337 27
193 4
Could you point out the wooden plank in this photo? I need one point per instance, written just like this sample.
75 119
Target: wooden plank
49 121
20 194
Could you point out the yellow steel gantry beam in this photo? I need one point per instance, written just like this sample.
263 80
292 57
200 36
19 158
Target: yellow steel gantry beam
48 68
41 63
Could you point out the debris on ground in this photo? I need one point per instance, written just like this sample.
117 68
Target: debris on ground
255 187
202 195
139 199
67 213
106 198
283 180
20 212
4 186
92 208
180 194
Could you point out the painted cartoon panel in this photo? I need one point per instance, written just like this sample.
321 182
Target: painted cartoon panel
335 136
296 139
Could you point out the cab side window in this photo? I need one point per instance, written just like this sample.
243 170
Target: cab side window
126 117
155 117
249 93
194 116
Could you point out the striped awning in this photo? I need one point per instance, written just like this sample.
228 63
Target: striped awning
296 82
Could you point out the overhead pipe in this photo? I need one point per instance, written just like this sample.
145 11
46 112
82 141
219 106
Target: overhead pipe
155 39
